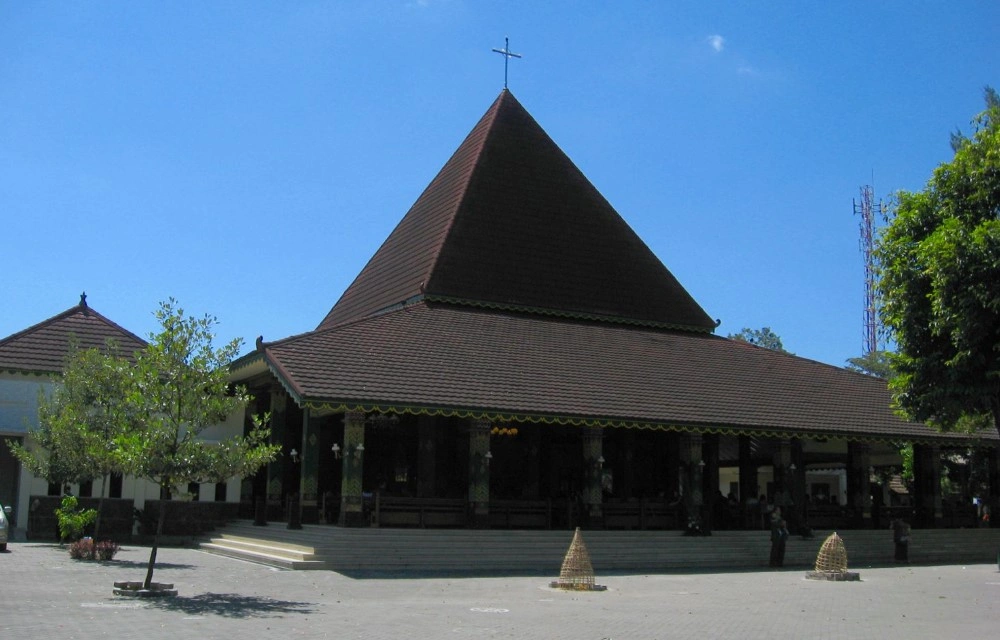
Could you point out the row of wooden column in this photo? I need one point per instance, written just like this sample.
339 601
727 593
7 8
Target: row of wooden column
698 460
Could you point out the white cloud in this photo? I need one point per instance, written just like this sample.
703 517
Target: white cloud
717 42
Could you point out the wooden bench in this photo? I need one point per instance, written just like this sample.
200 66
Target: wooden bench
958 516
521 514
392 511
828 516
644 514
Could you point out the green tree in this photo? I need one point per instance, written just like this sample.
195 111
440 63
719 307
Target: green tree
78 422
762 337
144 416
939 285
176 390
875 363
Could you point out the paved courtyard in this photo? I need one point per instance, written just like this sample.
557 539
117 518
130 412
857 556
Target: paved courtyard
45 594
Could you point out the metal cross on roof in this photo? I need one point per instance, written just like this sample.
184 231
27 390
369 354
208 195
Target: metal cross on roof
507 55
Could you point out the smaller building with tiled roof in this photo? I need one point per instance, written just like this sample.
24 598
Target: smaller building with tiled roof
42 348
30 363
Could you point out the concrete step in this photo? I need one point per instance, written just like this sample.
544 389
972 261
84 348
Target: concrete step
262 557
503 551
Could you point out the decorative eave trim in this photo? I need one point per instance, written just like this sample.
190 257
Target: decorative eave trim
31 372
618 423
248 365
561 313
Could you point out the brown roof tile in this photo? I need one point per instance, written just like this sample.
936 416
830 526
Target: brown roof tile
43 347
510 222
441 357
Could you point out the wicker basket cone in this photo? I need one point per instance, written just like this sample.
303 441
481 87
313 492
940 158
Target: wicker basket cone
577 572
831 561
832 556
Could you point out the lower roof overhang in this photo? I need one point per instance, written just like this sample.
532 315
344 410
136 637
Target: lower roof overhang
448 361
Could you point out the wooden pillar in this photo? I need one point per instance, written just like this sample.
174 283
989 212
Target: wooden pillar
426 457
859 497
749 484
255 488
351 499
624 466
275 469
710 479
993 462
927 485
781 464
798 510
672 487
691 467
593 460
748 472
533 471
309 477
479 473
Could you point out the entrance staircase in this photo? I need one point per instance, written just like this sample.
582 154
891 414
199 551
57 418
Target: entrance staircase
388 551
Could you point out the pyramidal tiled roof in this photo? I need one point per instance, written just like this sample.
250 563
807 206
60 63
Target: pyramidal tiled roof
511 223
42 348
436 322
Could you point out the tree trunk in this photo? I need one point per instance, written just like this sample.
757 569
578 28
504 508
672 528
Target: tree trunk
100 509
156 544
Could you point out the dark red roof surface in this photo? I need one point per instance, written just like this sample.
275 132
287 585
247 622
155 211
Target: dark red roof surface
43 348
510 222
449 358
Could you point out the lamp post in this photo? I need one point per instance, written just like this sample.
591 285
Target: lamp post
294 515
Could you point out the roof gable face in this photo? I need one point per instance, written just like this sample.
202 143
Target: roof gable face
511 222
43 348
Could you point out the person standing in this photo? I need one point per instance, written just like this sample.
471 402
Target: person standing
901 538
765 508
779 536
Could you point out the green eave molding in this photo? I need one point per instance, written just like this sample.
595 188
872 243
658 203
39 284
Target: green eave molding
606 423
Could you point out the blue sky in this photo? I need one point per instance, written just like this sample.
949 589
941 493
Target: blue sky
247 158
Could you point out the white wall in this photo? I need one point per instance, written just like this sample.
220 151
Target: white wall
19 404
19 401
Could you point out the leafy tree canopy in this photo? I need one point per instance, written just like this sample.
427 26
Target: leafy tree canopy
79 419
939 285
762 337
875 363
145 415
178 388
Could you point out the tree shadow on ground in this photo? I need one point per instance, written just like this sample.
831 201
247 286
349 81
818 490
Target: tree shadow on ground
231 605
144 564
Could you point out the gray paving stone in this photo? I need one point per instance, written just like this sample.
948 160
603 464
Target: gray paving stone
44 594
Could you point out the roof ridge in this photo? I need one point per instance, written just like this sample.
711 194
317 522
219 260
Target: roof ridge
82 307
44 346
491 116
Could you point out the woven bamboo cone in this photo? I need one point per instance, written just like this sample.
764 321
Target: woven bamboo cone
831 562
577 572
832 556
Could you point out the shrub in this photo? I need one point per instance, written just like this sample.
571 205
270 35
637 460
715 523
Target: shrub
82 549
72 520
87 549
107 549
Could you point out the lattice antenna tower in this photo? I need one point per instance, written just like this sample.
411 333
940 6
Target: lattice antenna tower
867 208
